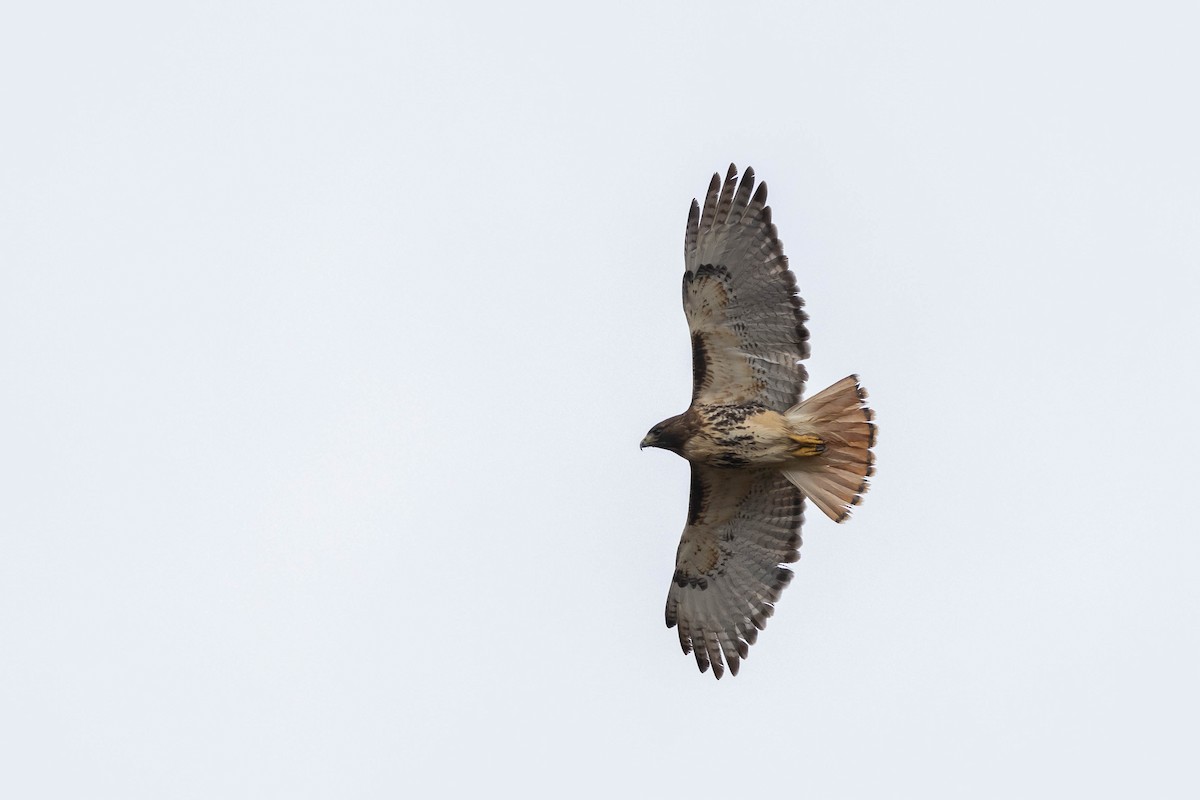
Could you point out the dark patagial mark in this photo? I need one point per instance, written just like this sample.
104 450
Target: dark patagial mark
698 499
699 365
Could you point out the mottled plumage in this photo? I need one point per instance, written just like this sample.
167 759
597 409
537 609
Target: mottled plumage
756 450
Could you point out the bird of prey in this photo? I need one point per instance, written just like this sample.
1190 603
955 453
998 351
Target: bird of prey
756 449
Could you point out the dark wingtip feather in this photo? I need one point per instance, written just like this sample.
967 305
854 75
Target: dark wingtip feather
760 195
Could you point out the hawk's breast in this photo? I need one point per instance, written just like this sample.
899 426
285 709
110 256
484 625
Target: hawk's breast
741 435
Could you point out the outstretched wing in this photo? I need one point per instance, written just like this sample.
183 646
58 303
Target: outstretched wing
743 525
740 298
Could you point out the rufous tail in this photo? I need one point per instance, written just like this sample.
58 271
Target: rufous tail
833 474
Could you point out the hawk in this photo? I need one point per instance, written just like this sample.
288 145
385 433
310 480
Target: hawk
756 450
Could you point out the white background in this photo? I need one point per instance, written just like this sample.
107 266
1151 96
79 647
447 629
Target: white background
329 333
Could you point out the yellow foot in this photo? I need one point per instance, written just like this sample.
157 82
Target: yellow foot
810 445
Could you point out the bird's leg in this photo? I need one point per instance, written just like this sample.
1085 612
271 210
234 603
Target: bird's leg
810 445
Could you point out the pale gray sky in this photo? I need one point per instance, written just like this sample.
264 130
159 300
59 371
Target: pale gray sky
329 333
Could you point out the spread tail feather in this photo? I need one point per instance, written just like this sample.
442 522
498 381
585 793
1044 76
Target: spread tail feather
836 479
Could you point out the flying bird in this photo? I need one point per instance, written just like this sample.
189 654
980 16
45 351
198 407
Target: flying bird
756 449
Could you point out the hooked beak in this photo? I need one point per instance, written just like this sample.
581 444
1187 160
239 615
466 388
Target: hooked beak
647 442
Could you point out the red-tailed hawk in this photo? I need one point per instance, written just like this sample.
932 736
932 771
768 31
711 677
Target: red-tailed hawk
756 450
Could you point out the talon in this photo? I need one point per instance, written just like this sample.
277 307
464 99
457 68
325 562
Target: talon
810 445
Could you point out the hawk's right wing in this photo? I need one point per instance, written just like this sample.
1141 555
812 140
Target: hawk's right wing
743 525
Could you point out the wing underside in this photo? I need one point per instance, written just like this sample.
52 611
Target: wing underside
743 526
740 298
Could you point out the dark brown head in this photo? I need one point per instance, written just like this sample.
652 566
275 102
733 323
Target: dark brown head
670 434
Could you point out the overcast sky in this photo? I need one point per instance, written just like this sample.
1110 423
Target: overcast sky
328 333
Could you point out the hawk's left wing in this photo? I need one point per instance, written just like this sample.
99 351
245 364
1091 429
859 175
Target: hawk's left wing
747 325
743 525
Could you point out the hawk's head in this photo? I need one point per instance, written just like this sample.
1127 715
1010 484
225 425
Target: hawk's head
670 434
